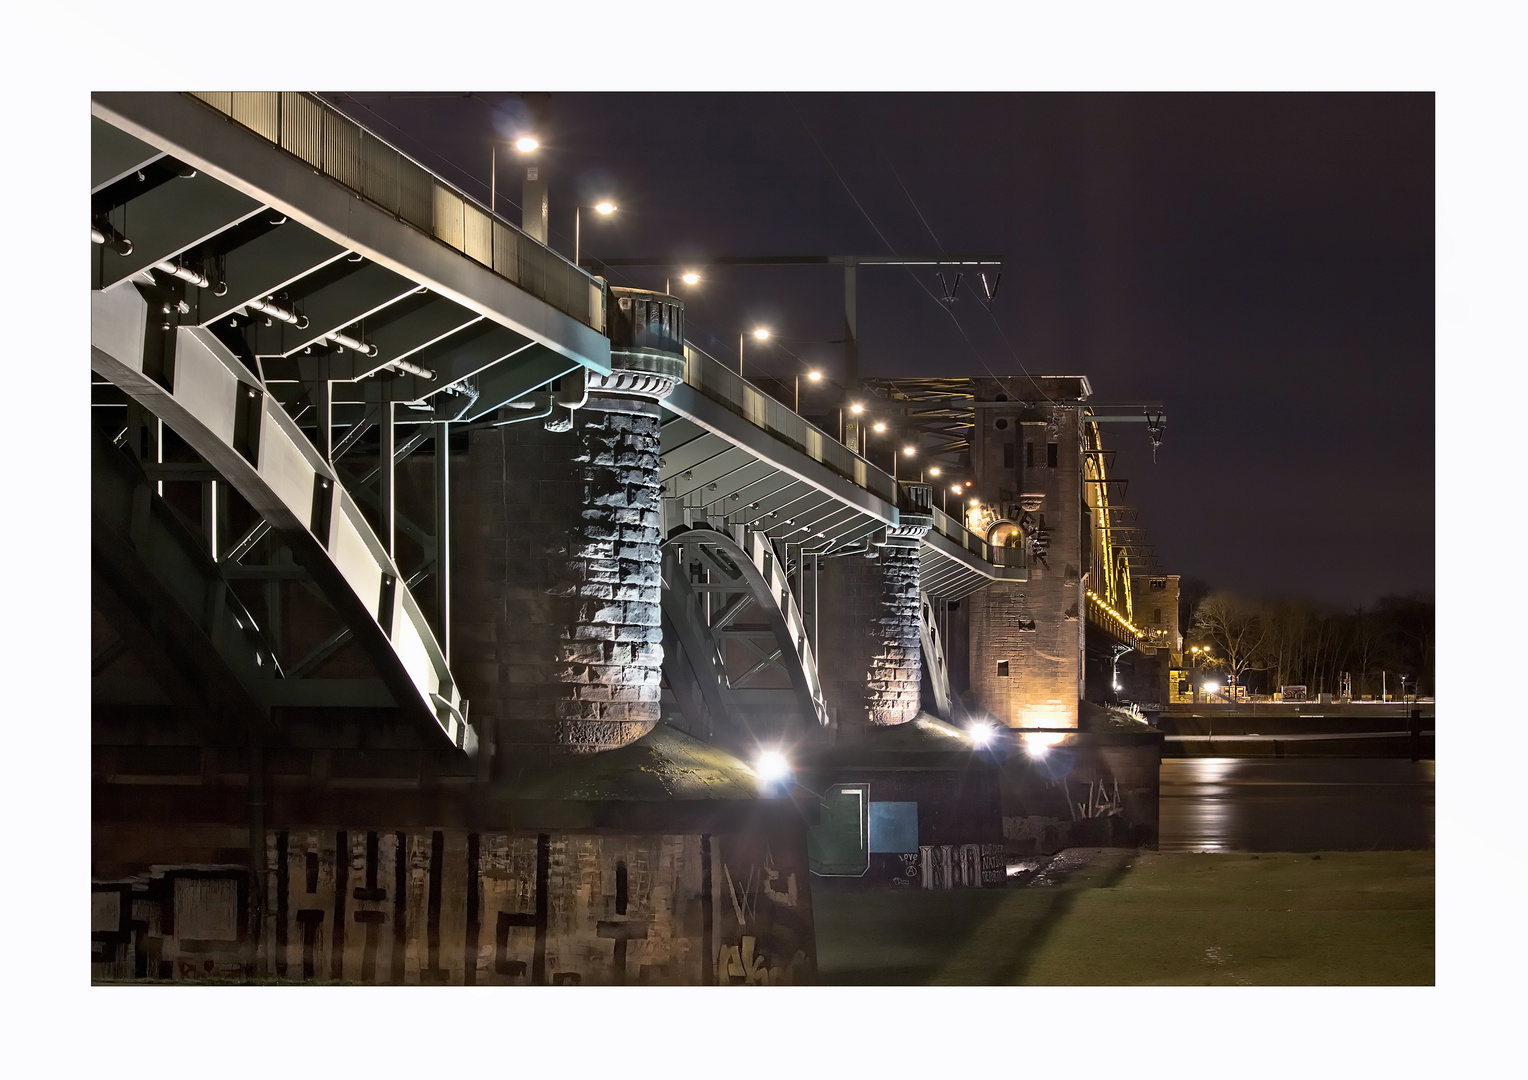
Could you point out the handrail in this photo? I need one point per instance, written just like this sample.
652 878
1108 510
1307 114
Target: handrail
727 388
355 157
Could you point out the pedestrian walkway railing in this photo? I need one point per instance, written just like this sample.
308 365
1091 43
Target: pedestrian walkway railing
726 387
369 166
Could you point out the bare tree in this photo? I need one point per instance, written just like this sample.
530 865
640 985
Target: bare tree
1237 627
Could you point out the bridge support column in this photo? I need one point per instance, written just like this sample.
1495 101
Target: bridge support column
557 581
870 659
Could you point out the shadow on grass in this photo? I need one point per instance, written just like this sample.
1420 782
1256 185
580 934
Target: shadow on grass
909 937
894 937
1063 896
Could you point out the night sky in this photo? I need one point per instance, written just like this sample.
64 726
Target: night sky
1262 264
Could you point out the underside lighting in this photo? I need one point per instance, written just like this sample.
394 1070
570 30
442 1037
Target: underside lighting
772 768
1038 743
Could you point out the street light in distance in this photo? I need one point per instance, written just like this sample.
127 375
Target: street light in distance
760 332
604 208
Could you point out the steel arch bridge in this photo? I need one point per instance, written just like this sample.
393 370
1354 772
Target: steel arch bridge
257 260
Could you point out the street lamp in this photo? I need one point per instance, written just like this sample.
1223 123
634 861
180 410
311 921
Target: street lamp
759 332
604 208
526 144
812 376
1196 653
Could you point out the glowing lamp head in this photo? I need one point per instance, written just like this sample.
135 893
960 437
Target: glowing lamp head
981 733
761 333
815 376
934 471
879 425
856 408
968 483
605 207
772 768
909 450
525 144
690 278
954 489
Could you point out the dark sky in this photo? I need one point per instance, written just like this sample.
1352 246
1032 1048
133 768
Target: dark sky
1262 264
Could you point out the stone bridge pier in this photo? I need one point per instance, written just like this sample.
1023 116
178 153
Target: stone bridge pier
869 656
557 604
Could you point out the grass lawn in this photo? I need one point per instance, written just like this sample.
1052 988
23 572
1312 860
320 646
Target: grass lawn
1125 918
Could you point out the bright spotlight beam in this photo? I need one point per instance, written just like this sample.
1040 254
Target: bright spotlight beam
772 767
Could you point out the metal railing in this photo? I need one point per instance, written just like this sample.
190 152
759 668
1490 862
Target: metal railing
348 153
730 390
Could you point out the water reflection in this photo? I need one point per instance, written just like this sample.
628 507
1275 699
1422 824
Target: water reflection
1292 804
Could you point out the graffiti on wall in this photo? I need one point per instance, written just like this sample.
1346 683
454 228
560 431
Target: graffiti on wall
172 924
457 907
951 866
766 934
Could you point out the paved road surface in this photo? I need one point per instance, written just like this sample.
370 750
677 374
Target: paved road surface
1340 804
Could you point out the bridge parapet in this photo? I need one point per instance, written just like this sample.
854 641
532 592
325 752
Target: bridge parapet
913 502
345 151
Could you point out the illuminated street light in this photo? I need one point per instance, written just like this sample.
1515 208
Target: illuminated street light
759 332
980 733
954 489
690 277
934 471
856 408
880 425
605 208
909 450
525 144
815 376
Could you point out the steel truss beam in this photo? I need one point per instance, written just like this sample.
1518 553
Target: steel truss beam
190 380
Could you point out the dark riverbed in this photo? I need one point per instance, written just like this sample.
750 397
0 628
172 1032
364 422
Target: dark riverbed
1295 804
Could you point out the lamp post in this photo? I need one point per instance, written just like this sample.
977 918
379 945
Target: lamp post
759 332
815 376
604 208
1196 653
534 191
525 144
856 408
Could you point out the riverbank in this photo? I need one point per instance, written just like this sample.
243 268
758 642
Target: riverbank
1123 918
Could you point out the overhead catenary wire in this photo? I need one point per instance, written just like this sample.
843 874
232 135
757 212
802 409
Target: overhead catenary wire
913 277
996 324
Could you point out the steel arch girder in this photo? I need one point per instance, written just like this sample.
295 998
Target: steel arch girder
934 661
152 580
271 463
760 575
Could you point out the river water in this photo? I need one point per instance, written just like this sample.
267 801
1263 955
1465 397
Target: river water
1294 804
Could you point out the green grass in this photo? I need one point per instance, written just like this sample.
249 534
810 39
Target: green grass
1142 919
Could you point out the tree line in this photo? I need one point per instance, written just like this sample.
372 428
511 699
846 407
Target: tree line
1266 644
